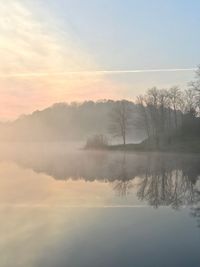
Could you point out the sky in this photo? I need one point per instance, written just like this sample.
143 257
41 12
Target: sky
74 50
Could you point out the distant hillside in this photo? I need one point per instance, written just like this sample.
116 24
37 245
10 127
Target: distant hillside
66 122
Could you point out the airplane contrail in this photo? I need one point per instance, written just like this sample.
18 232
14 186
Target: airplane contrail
44 206
92 72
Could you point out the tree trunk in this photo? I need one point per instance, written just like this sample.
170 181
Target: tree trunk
124 139
175 114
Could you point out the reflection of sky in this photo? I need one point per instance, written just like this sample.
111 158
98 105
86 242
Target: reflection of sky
63 175
25 188
98 237
47 223
58 36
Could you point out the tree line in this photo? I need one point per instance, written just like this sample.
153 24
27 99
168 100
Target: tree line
162 113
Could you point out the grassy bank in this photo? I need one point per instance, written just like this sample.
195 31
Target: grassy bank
186 146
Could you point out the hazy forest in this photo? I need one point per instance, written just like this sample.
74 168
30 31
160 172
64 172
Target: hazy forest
159 118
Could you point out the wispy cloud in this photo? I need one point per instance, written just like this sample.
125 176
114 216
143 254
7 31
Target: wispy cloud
43 63
93 72
32 47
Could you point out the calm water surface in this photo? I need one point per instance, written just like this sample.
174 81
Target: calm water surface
68 207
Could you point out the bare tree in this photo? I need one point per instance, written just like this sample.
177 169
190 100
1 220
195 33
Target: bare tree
143 119
196 83
161 111
120 119
175 98
195 87
153 109
152 106
163 102
189 105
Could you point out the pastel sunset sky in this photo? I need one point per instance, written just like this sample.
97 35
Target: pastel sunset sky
75 50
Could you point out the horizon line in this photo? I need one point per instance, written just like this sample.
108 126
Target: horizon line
93 72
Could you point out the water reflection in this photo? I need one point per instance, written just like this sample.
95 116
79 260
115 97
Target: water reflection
159 179
40 185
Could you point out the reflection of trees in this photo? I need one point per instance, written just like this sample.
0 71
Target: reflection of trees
195 210
162 178
196 214
161 182
162 185
122 185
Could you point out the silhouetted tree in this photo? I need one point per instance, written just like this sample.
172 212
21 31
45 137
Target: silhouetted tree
120 119
143 119
195 86
97 141
175 100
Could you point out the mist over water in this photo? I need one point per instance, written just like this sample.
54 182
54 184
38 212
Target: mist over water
99 133
58 201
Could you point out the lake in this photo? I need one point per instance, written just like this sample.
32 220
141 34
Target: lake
63 206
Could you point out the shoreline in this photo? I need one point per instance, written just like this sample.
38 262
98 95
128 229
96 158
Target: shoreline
142 148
